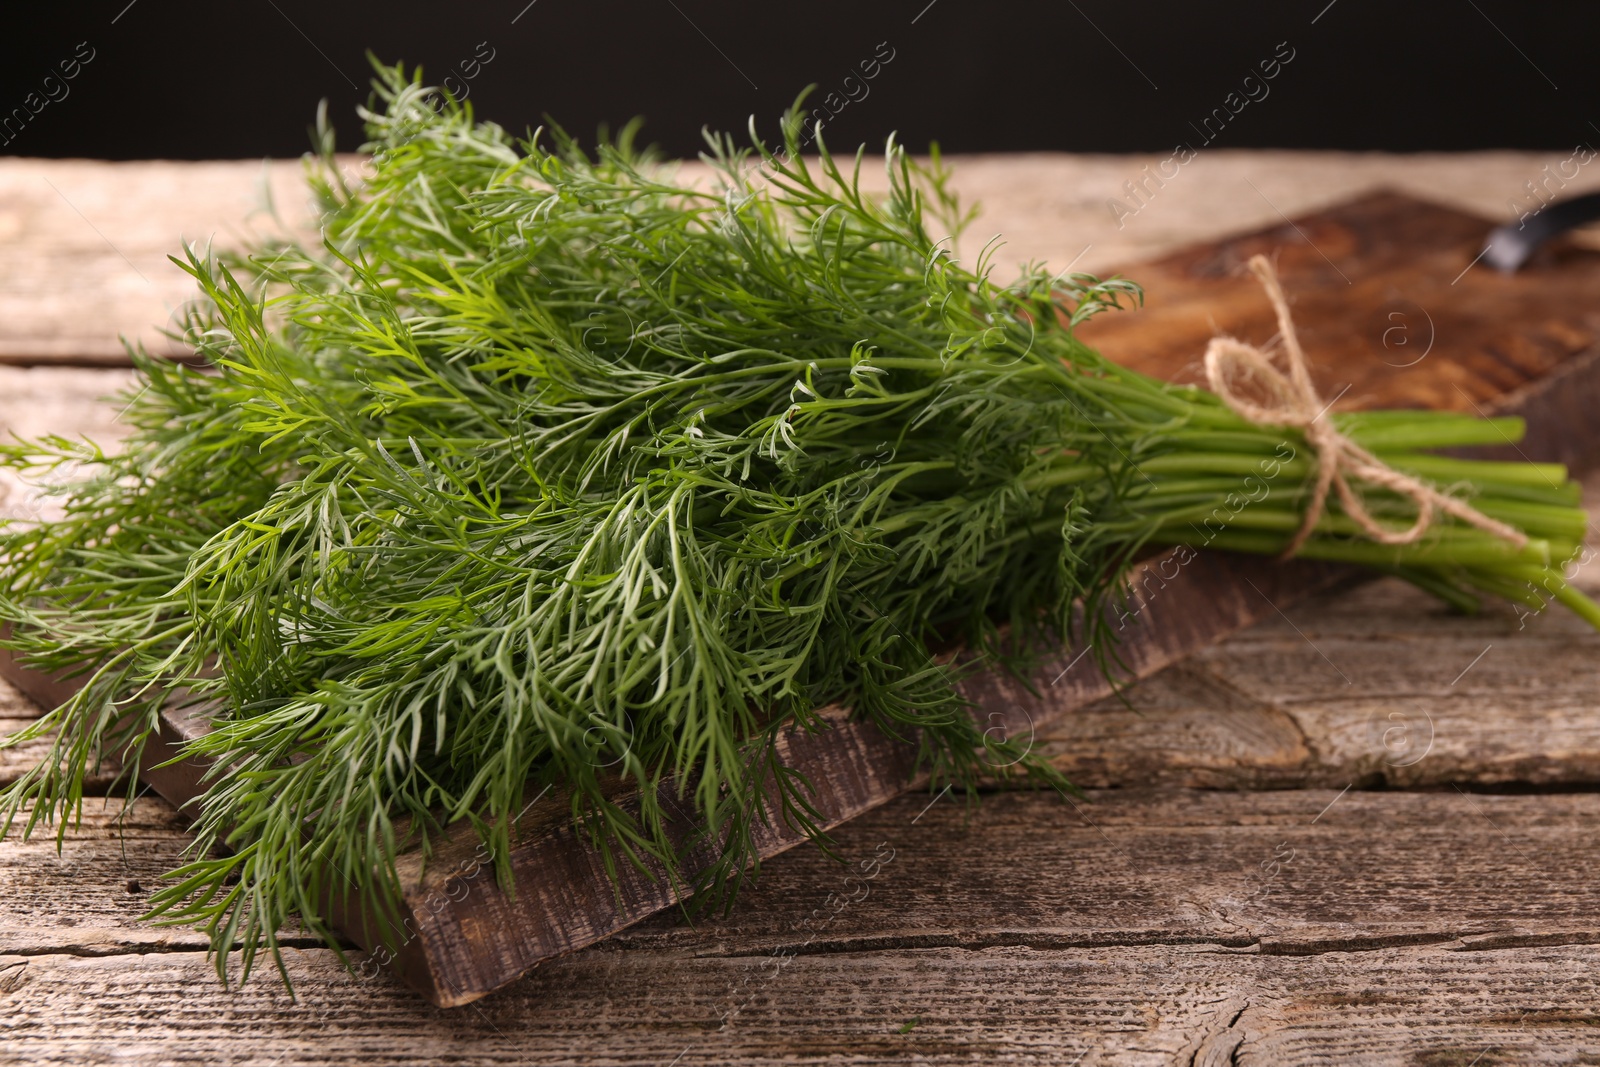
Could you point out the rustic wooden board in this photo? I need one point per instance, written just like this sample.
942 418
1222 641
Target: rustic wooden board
1424 1006
1375 283
1392 312
1378 684
1288 872
467 939
1153 927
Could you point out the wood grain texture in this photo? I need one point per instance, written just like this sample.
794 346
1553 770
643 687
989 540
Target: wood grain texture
1378 684
1286 872
87 245
1385 301
1420 1006
70 402
1157 927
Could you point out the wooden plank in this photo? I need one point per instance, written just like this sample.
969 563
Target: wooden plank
88 897
1281 871
87 246
69 402
1152 927
1141 1007
1378 684
17 712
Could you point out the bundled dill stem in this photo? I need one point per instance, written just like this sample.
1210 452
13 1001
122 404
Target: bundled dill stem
546 469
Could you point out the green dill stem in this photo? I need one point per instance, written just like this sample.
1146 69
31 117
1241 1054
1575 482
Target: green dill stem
1577 603
1256 517
1292 470
1445 590
1448 431
1445 470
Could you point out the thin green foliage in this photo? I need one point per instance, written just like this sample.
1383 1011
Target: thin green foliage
547 470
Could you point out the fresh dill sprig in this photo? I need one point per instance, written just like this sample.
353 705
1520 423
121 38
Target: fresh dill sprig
545 469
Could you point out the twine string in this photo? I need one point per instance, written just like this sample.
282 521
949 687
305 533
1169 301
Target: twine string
1288 398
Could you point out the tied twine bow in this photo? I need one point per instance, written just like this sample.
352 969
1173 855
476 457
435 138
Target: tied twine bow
1291 400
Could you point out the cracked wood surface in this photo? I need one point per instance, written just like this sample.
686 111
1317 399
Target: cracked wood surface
1312 923
1150 927
1135 1006
1377 685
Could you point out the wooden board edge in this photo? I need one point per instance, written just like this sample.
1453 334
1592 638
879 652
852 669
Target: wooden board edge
1562 411
471 936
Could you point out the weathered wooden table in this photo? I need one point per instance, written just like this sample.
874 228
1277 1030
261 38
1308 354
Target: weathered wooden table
1361 833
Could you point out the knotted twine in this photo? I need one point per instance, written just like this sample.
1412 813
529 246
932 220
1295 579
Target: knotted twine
1292 401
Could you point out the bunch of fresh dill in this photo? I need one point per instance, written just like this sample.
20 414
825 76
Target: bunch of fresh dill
545 469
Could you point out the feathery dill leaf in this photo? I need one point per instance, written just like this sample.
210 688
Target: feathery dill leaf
545 469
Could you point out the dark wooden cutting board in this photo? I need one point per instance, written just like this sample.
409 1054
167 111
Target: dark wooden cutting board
1393 312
